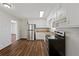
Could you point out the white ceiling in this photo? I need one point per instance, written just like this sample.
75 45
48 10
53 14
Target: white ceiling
30 10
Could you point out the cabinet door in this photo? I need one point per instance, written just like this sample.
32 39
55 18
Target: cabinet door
40 35
73 14
62 17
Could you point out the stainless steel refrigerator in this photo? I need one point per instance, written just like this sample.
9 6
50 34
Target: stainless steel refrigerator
31 31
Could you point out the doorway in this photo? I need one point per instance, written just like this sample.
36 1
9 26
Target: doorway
13 31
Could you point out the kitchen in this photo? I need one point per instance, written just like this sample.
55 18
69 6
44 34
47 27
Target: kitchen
50 38
62 19
57 27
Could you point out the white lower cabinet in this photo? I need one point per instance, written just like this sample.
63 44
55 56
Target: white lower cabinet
40 35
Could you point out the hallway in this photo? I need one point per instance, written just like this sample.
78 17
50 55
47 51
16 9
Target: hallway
25 48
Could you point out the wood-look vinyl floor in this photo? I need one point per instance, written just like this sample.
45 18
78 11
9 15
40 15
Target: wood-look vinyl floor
25 48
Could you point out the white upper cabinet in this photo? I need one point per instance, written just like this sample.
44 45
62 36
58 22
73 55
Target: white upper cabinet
65 15
73 14
68 16
61 16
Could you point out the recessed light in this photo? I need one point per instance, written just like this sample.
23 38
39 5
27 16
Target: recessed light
8 5
41 13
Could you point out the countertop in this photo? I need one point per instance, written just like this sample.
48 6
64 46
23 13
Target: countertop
42 30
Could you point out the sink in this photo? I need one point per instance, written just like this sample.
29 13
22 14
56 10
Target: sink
51 37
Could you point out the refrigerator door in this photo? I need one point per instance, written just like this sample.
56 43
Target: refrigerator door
31 35
31 27
31 31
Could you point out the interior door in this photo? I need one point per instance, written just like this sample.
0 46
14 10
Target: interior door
13 31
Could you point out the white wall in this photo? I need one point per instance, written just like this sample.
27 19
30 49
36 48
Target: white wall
5 32
72 41
23 28
40 23
5 29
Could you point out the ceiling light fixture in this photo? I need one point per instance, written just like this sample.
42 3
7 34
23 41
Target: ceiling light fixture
41 13
8 5
13 21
